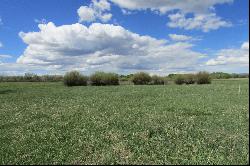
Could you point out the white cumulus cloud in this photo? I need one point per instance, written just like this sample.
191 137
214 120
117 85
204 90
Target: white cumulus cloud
204 22
96 10
238 56
163 6
103 47
204 18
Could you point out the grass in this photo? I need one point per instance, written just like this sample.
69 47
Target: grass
48 123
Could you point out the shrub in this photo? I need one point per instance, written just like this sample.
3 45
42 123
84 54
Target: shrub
157 80
111 79
189 79
74 78
203 78
102 79
179 79
141 78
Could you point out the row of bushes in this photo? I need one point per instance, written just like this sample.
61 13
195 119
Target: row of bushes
30 77
143 78
199 78
74 78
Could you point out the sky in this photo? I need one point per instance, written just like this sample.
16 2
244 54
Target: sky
124 36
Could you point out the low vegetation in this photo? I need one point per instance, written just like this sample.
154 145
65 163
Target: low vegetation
103 79
179 79
222 75
157 80
48 123
141 78
199 78
189 78
203 78
74 78
31 77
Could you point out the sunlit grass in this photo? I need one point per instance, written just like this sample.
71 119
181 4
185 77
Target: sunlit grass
48 123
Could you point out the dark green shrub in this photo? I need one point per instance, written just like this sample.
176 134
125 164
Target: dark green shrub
74 78
102 79
141 78
179 79
96 79
157 80
111 79
189 78
203 78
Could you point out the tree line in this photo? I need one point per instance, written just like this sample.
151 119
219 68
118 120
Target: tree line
102 78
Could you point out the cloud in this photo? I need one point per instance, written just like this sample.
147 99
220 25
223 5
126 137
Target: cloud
126 12
231 56
96 10
245 46
5 56
204 22
41 21
103 47
204 17
1 21
1 45
176 37
164 6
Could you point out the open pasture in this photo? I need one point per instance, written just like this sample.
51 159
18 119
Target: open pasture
48 123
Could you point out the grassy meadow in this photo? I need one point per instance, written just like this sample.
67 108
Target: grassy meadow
49 123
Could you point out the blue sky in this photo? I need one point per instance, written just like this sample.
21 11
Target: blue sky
161 37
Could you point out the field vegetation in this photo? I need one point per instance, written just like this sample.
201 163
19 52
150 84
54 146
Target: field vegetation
49 123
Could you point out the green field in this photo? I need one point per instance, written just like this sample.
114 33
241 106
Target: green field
48 123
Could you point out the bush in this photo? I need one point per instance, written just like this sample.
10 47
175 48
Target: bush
189 79
203 78
74 78
141 78
102 79
179 79
157 80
